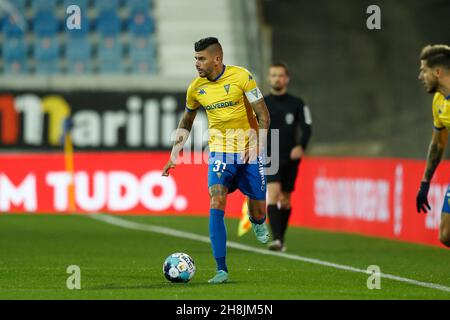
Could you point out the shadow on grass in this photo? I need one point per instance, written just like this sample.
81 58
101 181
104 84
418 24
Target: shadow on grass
162 285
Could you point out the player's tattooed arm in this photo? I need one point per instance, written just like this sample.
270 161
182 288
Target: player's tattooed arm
187 120
183 131
435 152
181 136
262 113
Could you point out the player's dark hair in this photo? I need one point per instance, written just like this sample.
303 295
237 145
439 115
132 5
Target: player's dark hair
280 64
205 43
436 55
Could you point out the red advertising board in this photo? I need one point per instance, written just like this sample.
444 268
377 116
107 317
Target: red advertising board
367 196
129 183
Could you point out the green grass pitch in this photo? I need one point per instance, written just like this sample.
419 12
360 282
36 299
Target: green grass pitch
120 263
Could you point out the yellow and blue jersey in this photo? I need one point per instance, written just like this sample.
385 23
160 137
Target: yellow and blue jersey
227 103
441 111
441 120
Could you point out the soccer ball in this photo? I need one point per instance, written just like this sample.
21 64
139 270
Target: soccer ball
179 267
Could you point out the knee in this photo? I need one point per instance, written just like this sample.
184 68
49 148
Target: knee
273 197
257 211
285 203
217 202
272 200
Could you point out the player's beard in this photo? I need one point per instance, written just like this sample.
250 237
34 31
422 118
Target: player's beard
201 73
205 73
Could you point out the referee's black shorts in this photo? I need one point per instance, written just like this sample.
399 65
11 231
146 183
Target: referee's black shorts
286 175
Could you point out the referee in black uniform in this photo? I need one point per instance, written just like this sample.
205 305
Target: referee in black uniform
292 118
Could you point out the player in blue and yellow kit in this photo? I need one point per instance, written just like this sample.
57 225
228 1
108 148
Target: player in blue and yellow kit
435 75
236 112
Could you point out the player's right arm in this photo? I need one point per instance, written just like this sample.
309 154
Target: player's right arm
182 134
183 130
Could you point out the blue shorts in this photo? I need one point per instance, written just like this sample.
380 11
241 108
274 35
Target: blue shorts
228 170
446 206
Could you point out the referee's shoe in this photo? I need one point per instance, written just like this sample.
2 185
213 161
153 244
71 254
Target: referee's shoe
277 245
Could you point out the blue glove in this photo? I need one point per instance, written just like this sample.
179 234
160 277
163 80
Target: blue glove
421 200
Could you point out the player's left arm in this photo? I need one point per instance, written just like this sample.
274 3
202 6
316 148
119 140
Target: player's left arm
262 113
256 100
435 153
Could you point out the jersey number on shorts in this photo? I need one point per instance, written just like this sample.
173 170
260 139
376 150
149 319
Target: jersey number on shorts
218 164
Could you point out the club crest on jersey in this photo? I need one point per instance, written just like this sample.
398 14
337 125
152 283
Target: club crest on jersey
201 91
289 118
227 88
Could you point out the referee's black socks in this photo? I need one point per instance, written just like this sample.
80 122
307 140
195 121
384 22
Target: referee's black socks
276 221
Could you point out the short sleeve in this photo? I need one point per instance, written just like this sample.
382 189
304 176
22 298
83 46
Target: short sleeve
191 101
249 86
437 123
248 81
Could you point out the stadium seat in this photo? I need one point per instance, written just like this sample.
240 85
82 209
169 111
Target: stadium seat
78 54
45 24
12 26
141 24
46 53
110 56
40 6
139 5
108 23
14 55
83 4
20 5
142 54
106 5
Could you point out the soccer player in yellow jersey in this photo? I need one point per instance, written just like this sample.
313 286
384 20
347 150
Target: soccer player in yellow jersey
435 75
236 111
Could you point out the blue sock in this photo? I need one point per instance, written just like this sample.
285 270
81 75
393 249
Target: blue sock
252 220
218 236
221 264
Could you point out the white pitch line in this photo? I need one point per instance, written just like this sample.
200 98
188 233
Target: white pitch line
192 236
